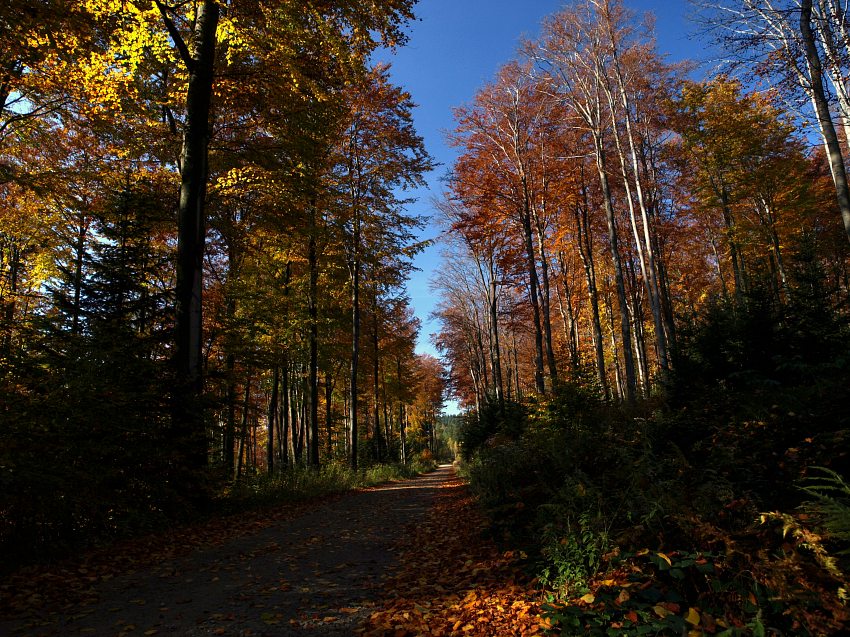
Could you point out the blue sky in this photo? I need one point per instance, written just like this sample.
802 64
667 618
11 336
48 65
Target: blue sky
455 47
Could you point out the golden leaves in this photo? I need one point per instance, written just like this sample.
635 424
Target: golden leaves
479 591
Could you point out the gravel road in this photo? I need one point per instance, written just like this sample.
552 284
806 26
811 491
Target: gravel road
315 574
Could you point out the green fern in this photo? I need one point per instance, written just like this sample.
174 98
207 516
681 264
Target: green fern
831 503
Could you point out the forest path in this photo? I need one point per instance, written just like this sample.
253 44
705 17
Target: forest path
315 574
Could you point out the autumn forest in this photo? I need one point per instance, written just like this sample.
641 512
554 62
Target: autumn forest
207 230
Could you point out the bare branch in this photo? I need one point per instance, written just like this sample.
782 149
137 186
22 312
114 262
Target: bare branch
179 42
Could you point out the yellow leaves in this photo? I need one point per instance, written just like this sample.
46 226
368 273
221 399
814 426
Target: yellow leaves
37 40
588 599
238 180
693 617
103 8
139 31
665 558
43 268
231 36
661 611
102 82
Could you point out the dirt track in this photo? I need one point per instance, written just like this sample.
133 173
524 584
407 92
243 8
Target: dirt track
315 574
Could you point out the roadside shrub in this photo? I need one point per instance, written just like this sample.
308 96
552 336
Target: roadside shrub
422 462
572 549
509 420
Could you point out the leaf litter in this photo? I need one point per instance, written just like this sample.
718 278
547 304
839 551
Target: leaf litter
451 580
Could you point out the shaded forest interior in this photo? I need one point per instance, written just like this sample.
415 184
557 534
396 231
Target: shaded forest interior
205 238
203 246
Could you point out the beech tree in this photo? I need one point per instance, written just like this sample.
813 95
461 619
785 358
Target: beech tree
802 45
574 54
485 239
379 155
504 164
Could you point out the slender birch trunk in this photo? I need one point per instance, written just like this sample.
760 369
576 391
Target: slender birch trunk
613 241
821 104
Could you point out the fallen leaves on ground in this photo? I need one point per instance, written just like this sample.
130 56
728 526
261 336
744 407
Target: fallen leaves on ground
452 581
71 582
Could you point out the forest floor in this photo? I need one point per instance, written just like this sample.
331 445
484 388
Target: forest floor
403 558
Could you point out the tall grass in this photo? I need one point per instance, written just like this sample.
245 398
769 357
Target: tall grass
298 483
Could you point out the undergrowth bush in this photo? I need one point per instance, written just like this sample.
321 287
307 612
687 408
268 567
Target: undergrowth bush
667 494
572 551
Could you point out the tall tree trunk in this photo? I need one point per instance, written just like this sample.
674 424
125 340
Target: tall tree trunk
329 394
615 352
279 436
625 327
544 289
540 224
646 278
480 355
355 356
79 258
546 308
402 415
777 252
516 369
568 317
585 245
534 284
649 164
285 410
376 368
301 414
638 340
644 244
388 423
230 425
509 371
270 448
495 347
313 372
821 104
284 418
8 305
402 425
246 403
479 390
187 415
